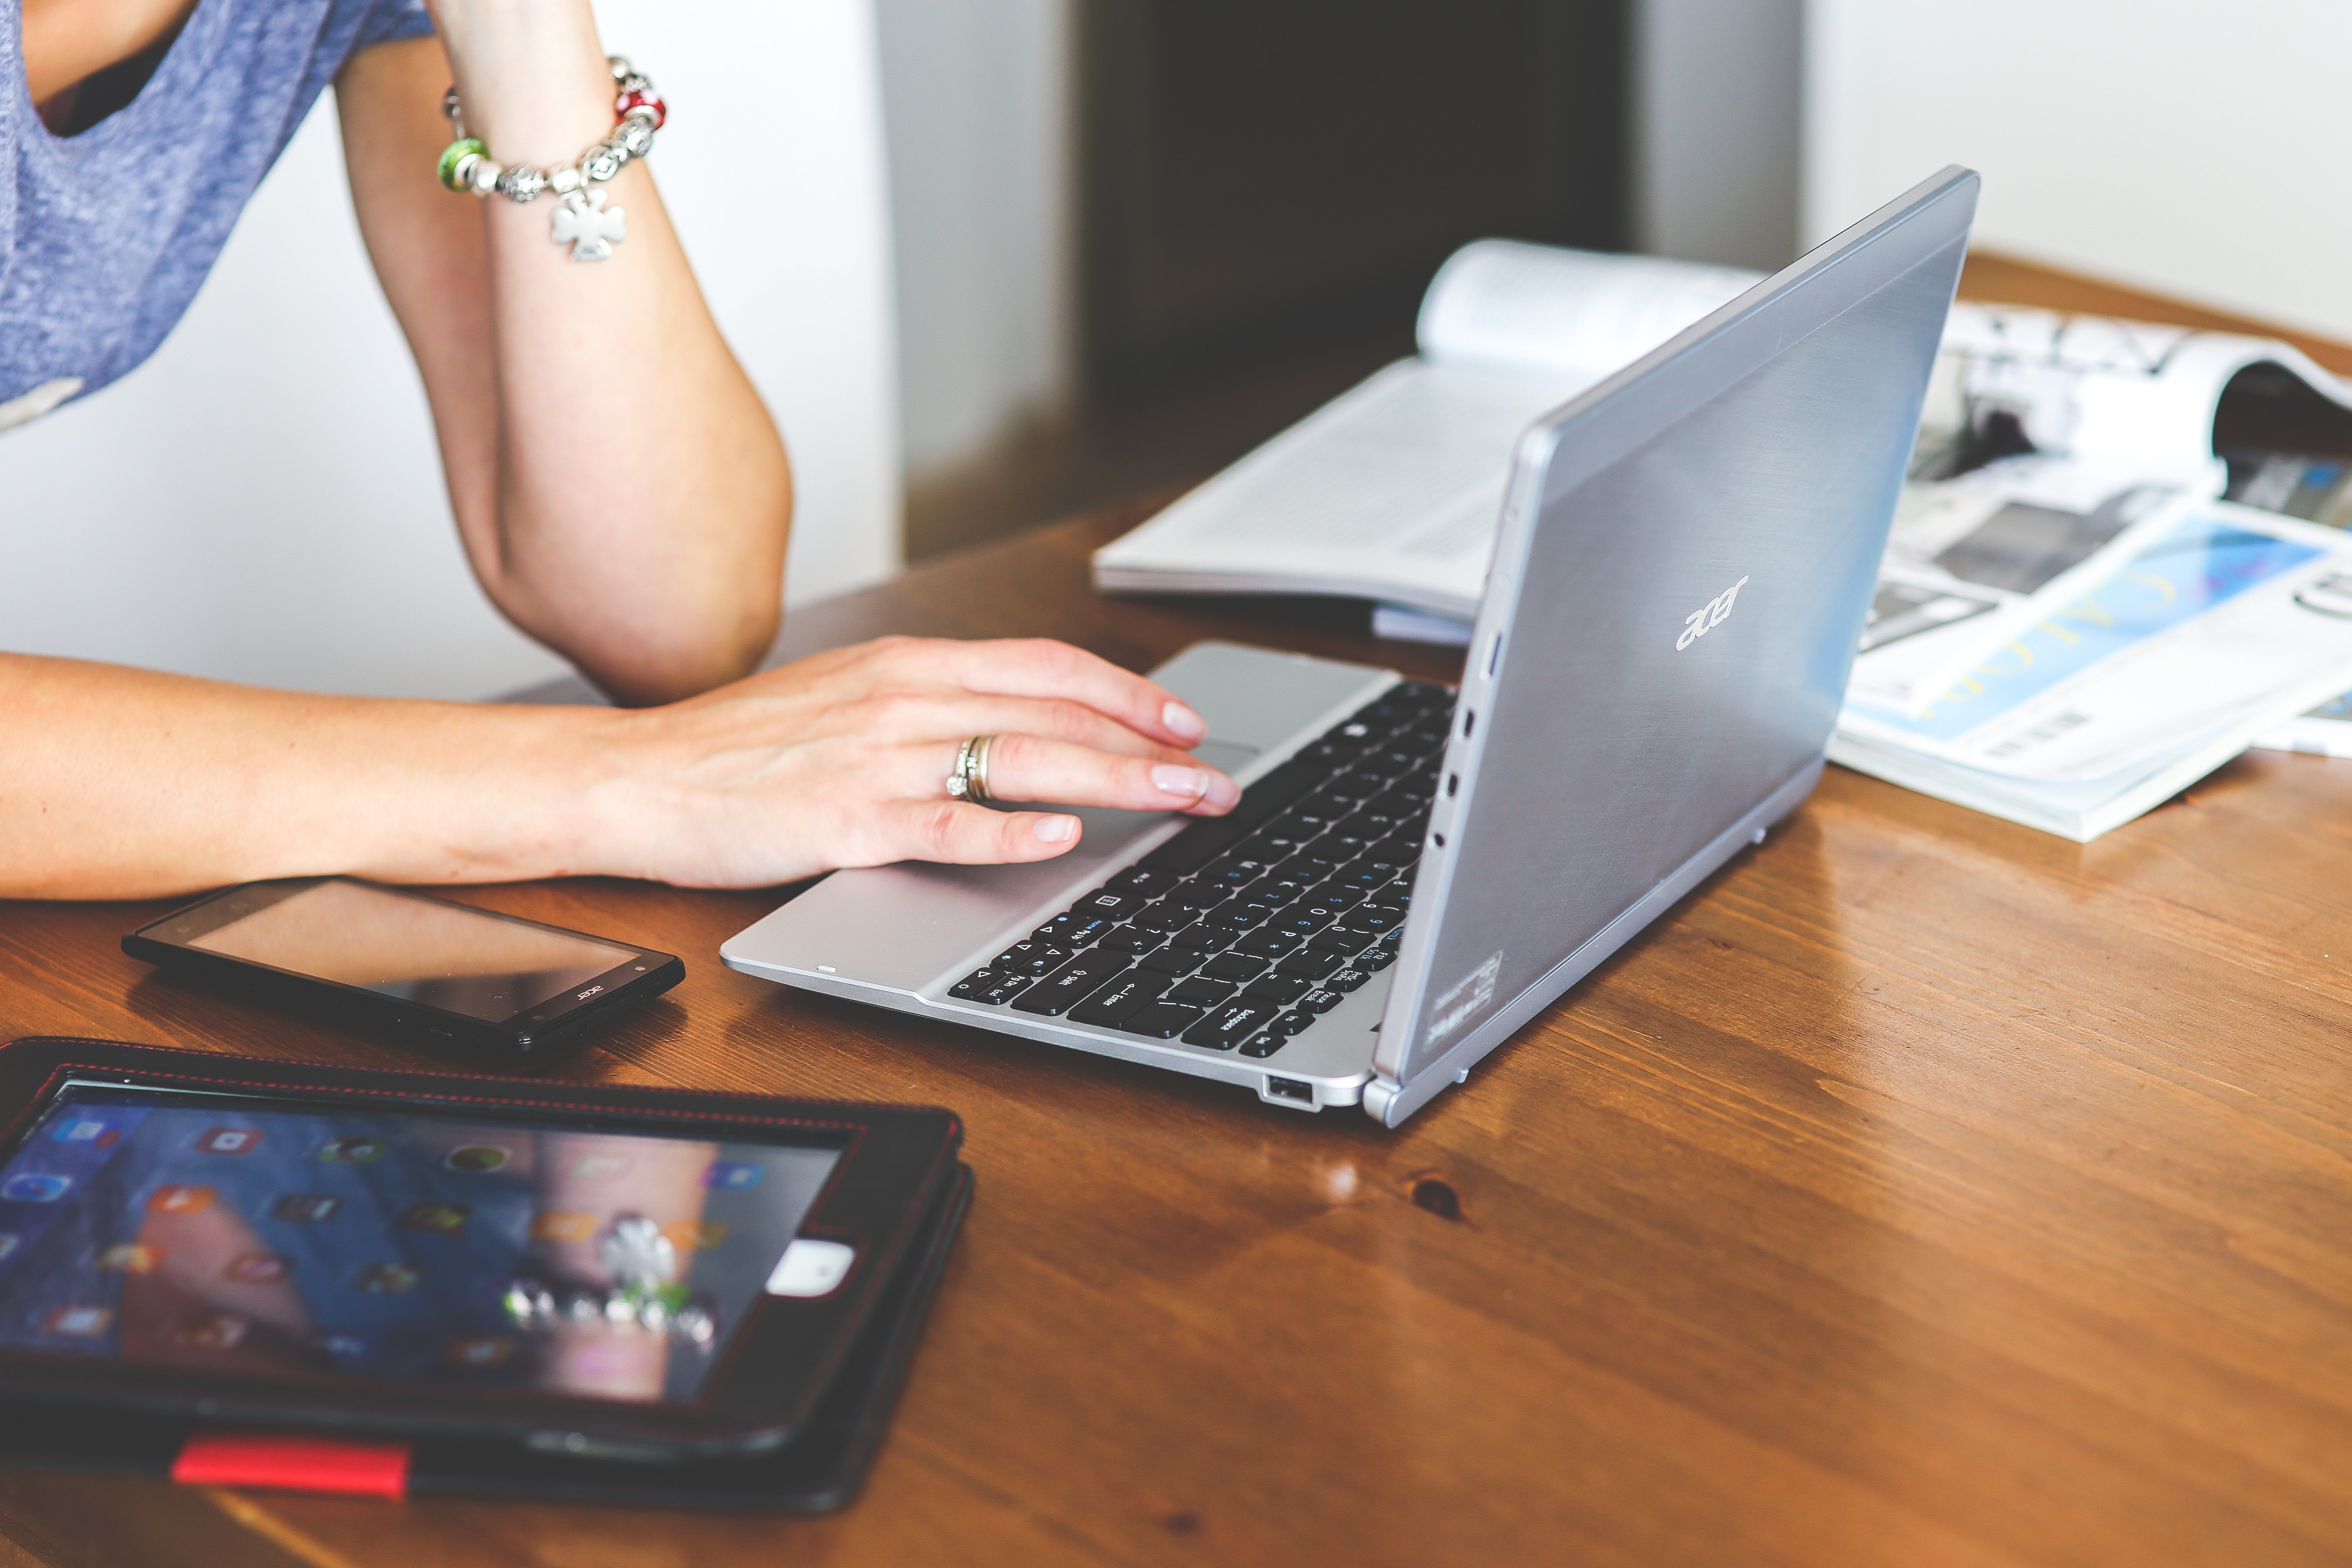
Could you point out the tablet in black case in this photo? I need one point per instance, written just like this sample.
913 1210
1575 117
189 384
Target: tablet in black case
818 1364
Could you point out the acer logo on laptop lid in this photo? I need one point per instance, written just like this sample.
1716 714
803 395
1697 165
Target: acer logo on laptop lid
1709 615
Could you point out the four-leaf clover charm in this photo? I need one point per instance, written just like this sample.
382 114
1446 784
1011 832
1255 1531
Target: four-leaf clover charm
591 228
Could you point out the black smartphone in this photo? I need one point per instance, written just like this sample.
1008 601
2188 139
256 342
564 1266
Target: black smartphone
439 974
582 1270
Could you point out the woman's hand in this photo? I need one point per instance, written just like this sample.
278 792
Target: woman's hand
842 760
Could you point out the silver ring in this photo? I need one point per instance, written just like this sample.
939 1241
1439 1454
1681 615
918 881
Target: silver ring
968 778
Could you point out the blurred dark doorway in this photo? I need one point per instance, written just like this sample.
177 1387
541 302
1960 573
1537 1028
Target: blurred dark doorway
1264 176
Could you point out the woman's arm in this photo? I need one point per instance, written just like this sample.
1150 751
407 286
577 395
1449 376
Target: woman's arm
622 495
123 783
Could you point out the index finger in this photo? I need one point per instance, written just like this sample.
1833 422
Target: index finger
1040 667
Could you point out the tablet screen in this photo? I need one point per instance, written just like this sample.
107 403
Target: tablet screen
253 1235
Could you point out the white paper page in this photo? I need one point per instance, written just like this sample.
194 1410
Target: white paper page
1392 490
1508 305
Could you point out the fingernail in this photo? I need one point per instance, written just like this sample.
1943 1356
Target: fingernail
1190 782
1057 829
1182 721
1222 791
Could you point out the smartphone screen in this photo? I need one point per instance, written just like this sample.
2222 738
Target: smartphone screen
253 1235
417 950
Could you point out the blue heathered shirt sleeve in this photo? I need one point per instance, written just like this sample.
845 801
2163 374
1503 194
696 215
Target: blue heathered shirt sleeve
388 21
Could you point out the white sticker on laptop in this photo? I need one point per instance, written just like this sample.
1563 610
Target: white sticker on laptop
1463 1000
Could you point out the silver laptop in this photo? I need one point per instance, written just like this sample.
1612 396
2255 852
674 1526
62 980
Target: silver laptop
1686 556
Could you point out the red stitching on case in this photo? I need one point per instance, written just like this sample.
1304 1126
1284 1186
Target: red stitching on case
293 1464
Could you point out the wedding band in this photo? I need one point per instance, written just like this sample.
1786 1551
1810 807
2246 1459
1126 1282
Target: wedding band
968 779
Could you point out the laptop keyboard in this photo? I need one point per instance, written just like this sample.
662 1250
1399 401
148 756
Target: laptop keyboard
1241 931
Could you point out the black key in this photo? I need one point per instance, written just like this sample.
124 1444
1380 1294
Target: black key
1311 821
1165 918
1373 919
1003 989
1160 1020
1347 980
1136 879
1364 875
1200 941
1339 950
1110 1006
1309 965
1298 921
1326 757
1237 916
1128 943
1239 968
1373 822
978 984
1238 869
1317 1001
1197 894
1109 905
1292 1023
1171 961
1264 1043
1384 715
1349 842
1266 945
1211 836
1376 958
1229 1026
1031 957
1070 984
1308 868
1277 990
1346 793
1428 693
1071 932
1198 993
1335 894
1280 840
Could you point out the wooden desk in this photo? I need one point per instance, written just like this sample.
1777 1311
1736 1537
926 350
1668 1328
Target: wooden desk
1924 1190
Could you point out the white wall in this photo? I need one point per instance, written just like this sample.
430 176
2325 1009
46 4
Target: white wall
976 96
2184 146
261 502
1717 123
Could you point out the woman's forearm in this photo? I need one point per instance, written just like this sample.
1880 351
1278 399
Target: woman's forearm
622 493
119 783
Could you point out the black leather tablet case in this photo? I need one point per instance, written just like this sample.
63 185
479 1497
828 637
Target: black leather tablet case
820 1470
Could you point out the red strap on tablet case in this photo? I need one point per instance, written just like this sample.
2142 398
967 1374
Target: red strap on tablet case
293 1464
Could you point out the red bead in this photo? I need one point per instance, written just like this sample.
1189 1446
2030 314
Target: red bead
652 100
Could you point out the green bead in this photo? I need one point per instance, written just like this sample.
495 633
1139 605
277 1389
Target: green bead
456 151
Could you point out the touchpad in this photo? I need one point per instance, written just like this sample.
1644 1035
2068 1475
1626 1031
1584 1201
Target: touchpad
1225 756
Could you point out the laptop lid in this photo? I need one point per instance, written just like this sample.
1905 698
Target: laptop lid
1686 553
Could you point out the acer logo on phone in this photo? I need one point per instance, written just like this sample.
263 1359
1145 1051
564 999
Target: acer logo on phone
583 995
1709 615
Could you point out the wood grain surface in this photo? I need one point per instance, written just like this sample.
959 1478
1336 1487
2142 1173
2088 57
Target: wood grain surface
1922 1190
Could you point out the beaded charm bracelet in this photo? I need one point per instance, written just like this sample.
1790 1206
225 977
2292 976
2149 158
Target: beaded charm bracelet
582 221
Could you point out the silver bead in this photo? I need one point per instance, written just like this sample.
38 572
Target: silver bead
600 164
486 176
461 173
564 181
636 136
521 183
619 66
450 104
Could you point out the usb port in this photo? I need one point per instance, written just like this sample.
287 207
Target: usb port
1290 1088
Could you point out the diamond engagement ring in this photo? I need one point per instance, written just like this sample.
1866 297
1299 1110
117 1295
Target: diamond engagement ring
968 779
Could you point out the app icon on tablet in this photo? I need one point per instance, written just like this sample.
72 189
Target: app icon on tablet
478 1159
734 1175
94 1131
478 1352
180 1200
306 1208
599 1167
220 1332
230 1140
562 1225
80 1322
36 1189
696 1235
257 1268
387 1279
443 1219
352 1149
131 1258
9 1243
